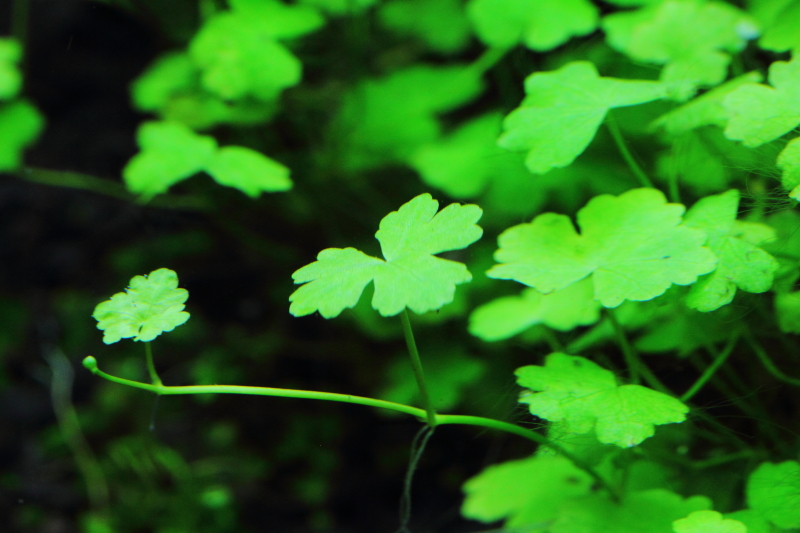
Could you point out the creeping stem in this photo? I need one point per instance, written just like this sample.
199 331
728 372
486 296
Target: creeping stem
91 364
416 364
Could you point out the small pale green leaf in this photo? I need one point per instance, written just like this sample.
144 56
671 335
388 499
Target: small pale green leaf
689 37
758 113
540 25
423 19
706 109
740 263
151 305
563 110
707 522
249 171
526 491
563 310
585 396
10 75
773 490
633 246
20 124
170 153
411 276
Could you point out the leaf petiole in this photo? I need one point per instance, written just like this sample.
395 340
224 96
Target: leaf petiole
416 364
151 367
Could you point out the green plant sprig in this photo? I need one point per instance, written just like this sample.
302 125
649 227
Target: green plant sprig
90 363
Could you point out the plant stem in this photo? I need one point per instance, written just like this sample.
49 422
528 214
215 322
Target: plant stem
416 364
151 367
762 355
709 372
636 366
90 363
616 134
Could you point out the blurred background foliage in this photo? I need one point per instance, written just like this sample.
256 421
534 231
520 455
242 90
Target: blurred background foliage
368 104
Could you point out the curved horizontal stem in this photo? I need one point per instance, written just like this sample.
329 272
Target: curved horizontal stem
91 364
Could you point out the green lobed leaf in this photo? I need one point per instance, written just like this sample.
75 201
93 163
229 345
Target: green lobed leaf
706 109
10 75
423 19
740 263
649 511
249 171
239 53
540 25
386 119
633 246
170 152
789 164
20 124
522 492
758 113
563 110
151 305
780 20
773 490
688 37
410 276
707 522
586 397
563 310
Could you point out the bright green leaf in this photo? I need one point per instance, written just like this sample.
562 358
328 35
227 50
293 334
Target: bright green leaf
526 491
170 73
249 171
170 153
424 19
562 310
563 110
538 24
386 119
773 490
632 245
706 109
10 75
754 522
239 53
758 113
586 396
688 37
649 511
740 264
780 20
787 309
151 305
707 522
410 276
20 125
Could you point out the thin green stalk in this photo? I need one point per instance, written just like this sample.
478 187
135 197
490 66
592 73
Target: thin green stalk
416 364
762 355
488 59
616 134
91 364
151 367
636 366
709 372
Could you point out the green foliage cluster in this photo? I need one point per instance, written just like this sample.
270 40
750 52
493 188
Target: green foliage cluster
633 159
